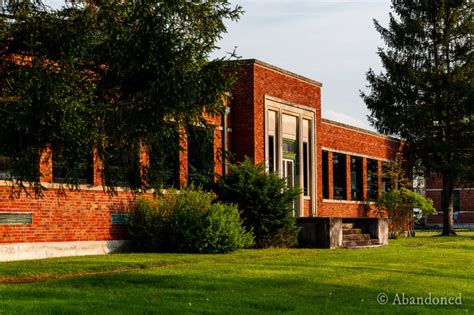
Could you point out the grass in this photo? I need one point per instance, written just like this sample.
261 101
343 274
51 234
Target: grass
248 281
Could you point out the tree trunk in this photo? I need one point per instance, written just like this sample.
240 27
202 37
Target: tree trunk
447 206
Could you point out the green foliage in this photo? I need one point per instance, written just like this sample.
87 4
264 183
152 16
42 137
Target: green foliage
109 74
399 204
265 202
187 222
426 93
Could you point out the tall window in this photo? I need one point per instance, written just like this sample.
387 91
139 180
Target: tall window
457 200
201 155
372 179
339 176
356 178
164 161
272 127
306 157
386 182
325 169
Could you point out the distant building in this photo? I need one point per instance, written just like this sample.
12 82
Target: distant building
463 202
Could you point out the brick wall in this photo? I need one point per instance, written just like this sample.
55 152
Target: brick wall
433 186
353 141
83 214
255 81
79 215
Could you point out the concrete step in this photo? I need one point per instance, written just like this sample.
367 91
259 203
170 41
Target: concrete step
368 246
357 243
351 231
355 237
347 225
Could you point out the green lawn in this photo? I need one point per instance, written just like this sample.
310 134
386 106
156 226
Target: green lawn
248 281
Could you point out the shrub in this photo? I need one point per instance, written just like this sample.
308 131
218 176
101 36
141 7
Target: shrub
264 201
398 204
187 221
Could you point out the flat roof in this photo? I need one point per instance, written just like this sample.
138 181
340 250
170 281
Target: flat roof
373 133
280 70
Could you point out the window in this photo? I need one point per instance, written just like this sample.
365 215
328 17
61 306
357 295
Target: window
305 169
63 170
122 167
356 178
457 200
271 154
4 160
306 157
272 132
200 155
339 176
372 179
386 182
325 170
164 161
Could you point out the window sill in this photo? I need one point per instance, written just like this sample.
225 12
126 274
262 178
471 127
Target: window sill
349 202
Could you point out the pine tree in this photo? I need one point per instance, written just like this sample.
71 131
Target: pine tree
106 74
425 94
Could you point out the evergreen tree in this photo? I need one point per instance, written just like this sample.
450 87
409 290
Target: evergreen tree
425 95
106 74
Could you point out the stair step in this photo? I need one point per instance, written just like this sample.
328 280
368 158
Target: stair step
365 247
355 237
357 243
347 225
351 231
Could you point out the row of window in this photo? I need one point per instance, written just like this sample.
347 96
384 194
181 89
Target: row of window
124 167
340 173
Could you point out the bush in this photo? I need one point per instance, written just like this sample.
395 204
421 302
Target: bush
265 202
398 204
188 222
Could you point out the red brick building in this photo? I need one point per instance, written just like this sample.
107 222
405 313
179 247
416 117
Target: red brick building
273 117
463 202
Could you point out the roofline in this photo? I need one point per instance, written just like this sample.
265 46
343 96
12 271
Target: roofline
280 70
372 133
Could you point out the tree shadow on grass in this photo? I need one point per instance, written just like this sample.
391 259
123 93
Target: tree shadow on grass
195 291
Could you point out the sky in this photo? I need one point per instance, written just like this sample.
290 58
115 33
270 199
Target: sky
330 41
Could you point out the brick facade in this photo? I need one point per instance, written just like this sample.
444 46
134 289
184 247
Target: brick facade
352 141
463 215
85 214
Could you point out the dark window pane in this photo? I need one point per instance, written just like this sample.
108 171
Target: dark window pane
62 170
325 170
201 155
356 178
271 154
457 200
122 167
4 160
305 169
372 179
386 182
164 161
339 176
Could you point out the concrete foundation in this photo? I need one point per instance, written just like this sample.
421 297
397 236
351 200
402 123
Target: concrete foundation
327 232
320 232
26 251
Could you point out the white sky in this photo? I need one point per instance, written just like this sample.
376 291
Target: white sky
331 41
